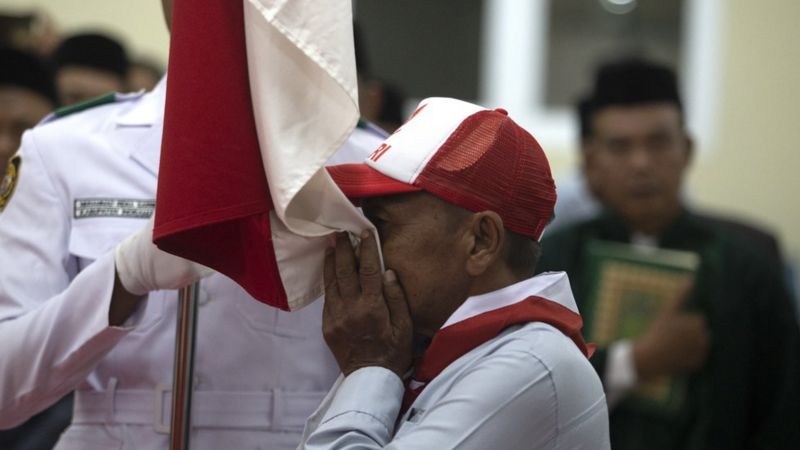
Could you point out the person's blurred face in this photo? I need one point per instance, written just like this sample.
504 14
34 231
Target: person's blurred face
76 84
634 162
20 109
420 244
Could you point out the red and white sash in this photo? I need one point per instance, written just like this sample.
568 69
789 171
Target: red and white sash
545 298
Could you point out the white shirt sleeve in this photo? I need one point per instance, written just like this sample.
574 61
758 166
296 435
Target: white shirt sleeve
362 412
54 328
506 401
620 376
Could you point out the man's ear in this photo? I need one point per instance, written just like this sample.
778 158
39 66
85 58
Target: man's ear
487 242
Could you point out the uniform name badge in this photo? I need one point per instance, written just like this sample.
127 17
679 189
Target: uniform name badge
130 208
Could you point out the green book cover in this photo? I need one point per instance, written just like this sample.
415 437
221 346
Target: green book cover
628 285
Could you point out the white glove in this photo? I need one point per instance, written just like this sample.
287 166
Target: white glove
143 268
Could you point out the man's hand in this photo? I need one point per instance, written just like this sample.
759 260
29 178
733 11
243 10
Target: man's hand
365 320
142 267
676 342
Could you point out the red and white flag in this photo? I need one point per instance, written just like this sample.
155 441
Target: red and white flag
260 93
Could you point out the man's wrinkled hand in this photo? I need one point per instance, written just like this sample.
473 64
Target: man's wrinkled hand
366 320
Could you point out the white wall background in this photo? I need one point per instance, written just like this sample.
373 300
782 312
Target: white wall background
138 23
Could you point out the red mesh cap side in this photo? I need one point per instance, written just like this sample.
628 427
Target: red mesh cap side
490 163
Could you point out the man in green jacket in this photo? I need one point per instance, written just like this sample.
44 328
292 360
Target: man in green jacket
732 336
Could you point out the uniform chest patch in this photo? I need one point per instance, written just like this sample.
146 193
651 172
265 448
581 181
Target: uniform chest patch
113 207
9 181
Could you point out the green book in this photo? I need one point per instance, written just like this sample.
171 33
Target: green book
628 284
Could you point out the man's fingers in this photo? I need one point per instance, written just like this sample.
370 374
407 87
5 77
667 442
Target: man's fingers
399 316
332 297
346 271
370 266
329 273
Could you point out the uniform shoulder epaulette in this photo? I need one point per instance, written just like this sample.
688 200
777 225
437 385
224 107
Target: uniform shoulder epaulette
111 97
88 104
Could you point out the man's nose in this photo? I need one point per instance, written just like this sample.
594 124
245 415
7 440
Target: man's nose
640 158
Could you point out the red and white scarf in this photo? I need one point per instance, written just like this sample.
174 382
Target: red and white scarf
545 298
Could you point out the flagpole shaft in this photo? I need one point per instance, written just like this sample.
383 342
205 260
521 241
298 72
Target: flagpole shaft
180 423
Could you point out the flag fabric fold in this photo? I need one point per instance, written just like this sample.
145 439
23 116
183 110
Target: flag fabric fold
260 93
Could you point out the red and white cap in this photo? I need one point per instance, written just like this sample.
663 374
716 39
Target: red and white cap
467 155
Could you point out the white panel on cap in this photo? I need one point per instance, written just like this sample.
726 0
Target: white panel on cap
413 144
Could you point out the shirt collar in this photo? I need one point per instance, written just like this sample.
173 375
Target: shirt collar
149 110
553 286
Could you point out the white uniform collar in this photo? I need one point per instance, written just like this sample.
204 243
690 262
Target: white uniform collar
149 111
553 286
138 130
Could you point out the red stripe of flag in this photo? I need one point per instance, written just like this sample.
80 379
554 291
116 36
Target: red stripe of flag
213 199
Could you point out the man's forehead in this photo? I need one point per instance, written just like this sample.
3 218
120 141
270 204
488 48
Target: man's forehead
635 118
649 108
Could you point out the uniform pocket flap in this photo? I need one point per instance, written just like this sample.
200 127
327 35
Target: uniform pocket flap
90 238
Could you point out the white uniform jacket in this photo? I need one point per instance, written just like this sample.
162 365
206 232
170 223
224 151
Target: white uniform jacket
85 182
528 388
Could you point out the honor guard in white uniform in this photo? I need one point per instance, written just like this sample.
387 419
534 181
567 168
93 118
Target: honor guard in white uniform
77 187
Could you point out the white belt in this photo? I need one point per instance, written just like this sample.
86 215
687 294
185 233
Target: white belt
271 410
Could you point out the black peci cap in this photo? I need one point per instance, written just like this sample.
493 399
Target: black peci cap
629 81
92 50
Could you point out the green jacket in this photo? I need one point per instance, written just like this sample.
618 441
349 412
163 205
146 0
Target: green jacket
748 394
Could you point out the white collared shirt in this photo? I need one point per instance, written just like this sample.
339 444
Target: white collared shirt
528 388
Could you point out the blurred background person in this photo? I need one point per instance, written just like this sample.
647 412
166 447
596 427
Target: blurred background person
32 31
27 94
89 65
732 337
381 103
